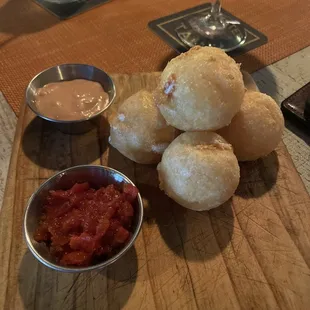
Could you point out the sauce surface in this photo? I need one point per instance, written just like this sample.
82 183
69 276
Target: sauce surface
82 226
71 100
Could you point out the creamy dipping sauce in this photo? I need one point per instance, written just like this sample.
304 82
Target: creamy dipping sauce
71 100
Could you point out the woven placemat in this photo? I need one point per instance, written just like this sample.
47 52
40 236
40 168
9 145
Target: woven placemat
115 37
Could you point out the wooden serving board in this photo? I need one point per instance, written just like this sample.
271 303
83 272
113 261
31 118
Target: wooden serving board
251 253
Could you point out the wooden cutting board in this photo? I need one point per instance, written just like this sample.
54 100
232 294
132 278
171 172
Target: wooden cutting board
251 253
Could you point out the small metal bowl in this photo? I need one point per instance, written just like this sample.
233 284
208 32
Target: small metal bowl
97 176
67 72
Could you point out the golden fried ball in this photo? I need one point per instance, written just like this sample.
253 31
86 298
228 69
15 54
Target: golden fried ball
257 128
199 170
139 131
201 89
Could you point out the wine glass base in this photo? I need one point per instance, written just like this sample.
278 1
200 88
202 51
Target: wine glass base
226 38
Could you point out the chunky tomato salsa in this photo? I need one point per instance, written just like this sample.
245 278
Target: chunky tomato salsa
82 226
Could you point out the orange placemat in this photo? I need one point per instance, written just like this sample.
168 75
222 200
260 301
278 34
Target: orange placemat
116 38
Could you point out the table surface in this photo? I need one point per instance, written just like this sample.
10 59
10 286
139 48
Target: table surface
279 80
115 37
253 250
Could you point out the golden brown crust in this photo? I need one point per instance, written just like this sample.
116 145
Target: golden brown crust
199 170
200 90
139 131
257 128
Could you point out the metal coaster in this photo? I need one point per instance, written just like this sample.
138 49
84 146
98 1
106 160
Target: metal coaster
171 28
70 9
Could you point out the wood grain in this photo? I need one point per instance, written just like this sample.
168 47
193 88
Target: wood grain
251 253
8 122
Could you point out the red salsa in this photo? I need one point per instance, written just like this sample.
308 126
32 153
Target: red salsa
82 226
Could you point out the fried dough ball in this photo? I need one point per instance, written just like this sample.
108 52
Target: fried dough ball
199 170
201 89
257 128
139 131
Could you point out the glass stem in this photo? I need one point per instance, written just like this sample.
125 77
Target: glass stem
216 7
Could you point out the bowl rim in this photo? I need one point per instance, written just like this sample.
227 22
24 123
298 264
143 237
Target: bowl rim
34 110
98 266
